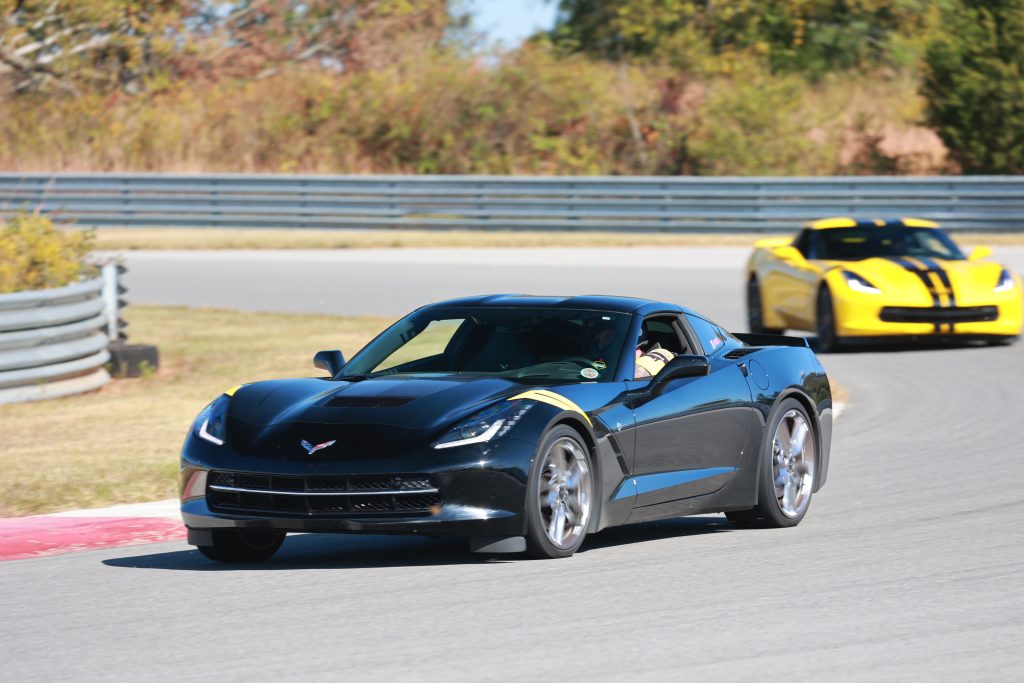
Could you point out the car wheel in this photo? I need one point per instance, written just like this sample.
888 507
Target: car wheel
755 310
560 495
235 546
789 459
825 318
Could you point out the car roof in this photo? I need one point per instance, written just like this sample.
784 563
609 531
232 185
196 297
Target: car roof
846 222
587 302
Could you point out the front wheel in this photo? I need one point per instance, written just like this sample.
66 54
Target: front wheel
789 459
235 546
825 319
560 495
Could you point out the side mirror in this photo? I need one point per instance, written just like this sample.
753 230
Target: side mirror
331 361
788 253
979 253
677 368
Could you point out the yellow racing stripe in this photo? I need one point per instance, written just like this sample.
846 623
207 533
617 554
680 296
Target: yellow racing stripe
553 399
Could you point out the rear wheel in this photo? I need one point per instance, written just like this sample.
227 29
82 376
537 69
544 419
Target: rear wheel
560 495
234 546
755 310
789 459
825 319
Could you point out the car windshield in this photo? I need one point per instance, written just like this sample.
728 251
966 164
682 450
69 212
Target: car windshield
854 244
517 343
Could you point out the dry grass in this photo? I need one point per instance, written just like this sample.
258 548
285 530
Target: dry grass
186 238
127 239
121 444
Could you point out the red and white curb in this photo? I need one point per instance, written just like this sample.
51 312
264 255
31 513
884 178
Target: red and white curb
63 532
23 538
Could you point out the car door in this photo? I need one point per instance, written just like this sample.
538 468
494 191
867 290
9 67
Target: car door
690 437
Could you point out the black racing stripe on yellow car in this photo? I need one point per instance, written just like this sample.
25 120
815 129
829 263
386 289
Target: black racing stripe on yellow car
920 270
943 276
946 282
921 274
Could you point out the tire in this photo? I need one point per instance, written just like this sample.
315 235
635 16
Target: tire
825 322
561 485
755 309
779 506
236 546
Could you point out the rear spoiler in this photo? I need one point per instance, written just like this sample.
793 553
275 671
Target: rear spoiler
752 339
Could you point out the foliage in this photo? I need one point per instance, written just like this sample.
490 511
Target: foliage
531 111
812 36
36 255
361 86
69 45
257 37
974 84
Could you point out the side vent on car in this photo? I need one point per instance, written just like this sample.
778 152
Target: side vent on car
742 351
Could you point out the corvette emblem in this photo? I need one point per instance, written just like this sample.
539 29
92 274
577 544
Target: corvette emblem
311 449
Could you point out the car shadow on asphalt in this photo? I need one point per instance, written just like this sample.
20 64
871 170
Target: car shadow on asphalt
355 551
903 346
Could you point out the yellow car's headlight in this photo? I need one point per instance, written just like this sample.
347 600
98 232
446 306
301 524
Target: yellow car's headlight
859 284
1005 282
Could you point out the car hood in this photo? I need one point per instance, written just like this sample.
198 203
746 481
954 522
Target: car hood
383 416
971 282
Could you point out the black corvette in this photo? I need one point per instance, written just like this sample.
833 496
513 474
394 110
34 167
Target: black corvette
515 421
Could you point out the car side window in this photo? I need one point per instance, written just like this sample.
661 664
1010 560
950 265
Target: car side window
709 336
661 332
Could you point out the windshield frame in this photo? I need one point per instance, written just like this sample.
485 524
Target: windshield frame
351 370
817 238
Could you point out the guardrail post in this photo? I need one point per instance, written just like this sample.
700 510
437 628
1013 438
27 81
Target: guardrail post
112 303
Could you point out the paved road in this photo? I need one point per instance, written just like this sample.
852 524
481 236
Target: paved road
907 566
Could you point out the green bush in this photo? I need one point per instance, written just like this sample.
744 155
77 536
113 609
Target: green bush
974 84
34 254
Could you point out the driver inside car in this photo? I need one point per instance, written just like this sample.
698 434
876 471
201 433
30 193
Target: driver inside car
650 359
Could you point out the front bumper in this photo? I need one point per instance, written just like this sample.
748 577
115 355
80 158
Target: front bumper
482 491
866 315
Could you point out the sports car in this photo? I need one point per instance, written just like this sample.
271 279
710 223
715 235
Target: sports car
880 280
518 422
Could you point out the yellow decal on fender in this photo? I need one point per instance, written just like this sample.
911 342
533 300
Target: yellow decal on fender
231 391
553 399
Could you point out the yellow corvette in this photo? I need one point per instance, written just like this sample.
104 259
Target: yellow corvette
855 280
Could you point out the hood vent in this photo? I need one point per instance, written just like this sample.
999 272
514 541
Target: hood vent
367 401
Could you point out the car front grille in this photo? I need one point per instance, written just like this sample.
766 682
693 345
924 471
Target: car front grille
953 314
321 495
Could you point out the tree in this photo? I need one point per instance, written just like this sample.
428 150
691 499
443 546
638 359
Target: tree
812 36
64 44
974 85
259 36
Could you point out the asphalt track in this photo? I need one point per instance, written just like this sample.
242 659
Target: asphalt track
908 565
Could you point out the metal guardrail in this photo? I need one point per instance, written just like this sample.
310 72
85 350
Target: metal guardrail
509 202
54 342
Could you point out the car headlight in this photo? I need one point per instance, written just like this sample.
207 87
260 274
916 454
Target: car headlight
1005 282
485 425
211 424
859 284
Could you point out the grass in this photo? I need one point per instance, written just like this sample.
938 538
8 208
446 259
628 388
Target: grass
120 444
186 238
127 239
